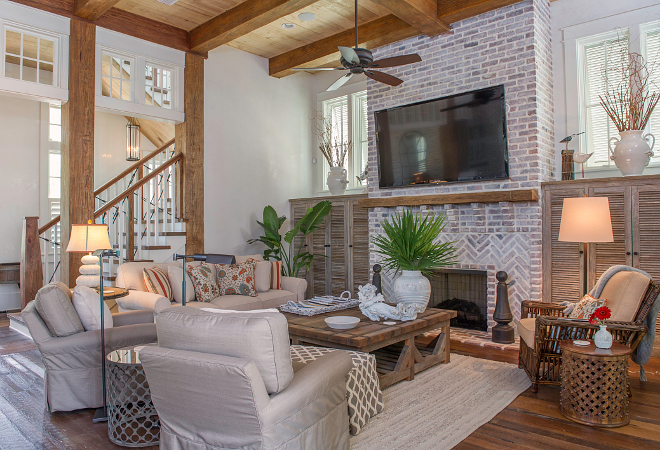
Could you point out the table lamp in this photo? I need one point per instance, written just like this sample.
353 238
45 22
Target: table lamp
88 238
586 220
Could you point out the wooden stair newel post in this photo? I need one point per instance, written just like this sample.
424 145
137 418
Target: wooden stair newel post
503 332
77 200
189 140
31 272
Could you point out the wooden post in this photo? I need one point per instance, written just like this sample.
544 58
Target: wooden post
78 141
31 275
567 166
189 140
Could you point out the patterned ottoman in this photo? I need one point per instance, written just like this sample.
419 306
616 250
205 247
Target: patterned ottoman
365 399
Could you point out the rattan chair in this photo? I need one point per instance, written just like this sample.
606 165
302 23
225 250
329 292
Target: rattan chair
542 360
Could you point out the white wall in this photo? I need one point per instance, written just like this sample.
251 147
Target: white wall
19 172
599 16
257 146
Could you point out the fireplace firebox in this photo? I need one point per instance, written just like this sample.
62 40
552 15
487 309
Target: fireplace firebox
464 291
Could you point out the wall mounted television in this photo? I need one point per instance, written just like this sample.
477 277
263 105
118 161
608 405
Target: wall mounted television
450 139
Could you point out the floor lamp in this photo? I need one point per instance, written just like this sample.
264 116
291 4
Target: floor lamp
195 257
586 220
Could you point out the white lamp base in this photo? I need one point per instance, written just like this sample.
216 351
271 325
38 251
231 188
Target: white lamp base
89 272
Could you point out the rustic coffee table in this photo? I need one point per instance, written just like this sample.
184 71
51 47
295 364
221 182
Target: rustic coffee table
402 359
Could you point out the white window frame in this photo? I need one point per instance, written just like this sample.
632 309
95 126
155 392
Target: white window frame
352 93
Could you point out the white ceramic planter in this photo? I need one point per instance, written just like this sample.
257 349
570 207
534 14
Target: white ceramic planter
603 338
411 287
337 180
632 152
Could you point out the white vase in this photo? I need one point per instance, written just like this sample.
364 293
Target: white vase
411 287
337 180
632 152
603 338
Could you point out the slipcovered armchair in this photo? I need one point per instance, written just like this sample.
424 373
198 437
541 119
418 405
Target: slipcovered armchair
631 295
71 355
225 380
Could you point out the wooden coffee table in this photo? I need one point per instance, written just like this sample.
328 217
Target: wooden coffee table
402 359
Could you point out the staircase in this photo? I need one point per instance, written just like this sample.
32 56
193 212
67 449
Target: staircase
142 208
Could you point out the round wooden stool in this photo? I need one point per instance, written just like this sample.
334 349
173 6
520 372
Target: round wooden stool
594 384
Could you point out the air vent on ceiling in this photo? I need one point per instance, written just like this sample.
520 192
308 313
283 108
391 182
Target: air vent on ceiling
168 2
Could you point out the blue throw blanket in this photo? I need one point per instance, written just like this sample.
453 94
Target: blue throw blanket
643 352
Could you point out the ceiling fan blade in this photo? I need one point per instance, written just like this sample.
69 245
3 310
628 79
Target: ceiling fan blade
383 78
349 55
340 82
319 68
396 61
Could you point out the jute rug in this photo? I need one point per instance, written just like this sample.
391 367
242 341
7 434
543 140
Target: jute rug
443 405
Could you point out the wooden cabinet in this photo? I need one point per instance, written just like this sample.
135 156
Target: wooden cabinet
341 246
635 211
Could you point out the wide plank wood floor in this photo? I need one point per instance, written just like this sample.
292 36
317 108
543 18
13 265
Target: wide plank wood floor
532 421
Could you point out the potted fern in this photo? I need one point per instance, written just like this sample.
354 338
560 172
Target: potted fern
409 246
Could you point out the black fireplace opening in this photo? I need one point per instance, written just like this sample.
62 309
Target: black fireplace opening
463 291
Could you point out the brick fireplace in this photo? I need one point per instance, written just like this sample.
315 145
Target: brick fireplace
509 46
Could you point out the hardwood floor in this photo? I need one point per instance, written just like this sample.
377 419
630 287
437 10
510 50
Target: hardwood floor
532 421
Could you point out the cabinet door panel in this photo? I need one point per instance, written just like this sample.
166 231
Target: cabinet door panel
320 263
563 261
298 211
359 240
604 255
338 245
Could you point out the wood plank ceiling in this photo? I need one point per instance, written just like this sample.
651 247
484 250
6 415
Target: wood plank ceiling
255 26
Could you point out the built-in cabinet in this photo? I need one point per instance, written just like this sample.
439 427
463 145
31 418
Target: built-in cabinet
341 246
635 211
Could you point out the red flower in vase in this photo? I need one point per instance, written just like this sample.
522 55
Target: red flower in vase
600 315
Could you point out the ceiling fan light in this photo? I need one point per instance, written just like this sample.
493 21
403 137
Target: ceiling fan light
307 16
288 26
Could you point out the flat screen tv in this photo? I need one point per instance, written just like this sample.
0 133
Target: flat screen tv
449 139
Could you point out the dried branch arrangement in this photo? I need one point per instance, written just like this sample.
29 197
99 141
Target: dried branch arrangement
334 150
630 103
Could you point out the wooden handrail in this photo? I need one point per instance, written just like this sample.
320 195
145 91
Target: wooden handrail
114 180
99 212
133 167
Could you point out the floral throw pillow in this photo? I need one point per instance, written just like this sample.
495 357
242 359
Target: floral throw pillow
206 288
237 279
586 307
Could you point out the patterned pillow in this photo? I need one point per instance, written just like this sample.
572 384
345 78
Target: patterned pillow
237 279
206 288
157 282
585 307
276 275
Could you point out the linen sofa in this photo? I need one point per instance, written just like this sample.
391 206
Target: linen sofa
71 355
225 380
130 276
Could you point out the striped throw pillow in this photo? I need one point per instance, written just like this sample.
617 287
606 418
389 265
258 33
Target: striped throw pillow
276 275
157 282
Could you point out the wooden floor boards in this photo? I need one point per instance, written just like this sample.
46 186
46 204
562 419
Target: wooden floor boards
531 421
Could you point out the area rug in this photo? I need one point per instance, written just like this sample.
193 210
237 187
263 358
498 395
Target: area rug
442 405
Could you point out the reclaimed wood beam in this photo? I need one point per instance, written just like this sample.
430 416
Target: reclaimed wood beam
450 11
241 20
92 9
420 14
516 195
376 33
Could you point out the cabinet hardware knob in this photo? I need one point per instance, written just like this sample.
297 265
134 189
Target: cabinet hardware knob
635 253
628 253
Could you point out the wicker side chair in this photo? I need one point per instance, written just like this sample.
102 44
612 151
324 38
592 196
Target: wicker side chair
540 353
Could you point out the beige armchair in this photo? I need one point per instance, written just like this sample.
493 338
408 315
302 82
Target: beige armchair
225 380
71 355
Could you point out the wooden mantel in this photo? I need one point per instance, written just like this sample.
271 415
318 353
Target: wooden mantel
517 195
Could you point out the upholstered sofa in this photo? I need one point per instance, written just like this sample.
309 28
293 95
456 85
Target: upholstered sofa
224 379
130 276
71 355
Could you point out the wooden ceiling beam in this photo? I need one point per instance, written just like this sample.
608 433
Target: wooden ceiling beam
450 11
92 9
376 33
241 20
420 14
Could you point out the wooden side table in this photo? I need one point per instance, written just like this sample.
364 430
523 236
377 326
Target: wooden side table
594 384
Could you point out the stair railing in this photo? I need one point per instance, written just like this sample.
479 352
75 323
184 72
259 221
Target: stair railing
150 184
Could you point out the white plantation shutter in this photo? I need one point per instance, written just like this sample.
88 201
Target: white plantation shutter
601 61
652 58
362 138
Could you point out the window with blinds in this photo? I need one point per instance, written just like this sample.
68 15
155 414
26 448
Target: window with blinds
652 56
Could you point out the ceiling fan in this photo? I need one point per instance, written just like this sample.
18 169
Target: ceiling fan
361 60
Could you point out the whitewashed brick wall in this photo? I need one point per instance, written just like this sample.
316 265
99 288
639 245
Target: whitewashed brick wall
509 46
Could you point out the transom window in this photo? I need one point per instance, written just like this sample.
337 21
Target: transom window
116 76
158 86
29 57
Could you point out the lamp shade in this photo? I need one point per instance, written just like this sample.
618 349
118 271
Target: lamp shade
88 238
586 219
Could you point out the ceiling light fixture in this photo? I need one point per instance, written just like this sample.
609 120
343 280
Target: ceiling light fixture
168 2
307 16
288 26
